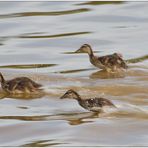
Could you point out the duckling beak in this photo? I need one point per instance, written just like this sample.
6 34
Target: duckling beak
78 51
62 97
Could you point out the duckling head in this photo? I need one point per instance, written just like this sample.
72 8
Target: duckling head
119 55
86 48
71 94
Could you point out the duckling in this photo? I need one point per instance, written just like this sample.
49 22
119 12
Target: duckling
19 85
92 104
110 63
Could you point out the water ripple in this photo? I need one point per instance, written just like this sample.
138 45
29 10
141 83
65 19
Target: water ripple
55 35
54 13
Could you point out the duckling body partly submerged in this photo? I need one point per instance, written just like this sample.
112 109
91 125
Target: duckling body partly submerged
111 62
19 85
92 104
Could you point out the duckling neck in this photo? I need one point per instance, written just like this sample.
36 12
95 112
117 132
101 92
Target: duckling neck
90 53
77 97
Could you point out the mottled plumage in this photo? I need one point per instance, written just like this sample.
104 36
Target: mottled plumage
19 85
95 104
92 104
111 62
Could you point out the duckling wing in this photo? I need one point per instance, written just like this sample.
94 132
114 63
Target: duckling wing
112 60
96 104
91 105
14 84
104 102
21 83
34 84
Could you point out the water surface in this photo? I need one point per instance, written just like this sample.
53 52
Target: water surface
38 40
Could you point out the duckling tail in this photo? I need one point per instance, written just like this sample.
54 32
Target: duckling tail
2 80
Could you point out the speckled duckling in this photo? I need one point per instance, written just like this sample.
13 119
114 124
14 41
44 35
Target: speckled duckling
110 63
19 85
92 104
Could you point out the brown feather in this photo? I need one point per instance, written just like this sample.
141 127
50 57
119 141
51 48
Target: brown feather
20 85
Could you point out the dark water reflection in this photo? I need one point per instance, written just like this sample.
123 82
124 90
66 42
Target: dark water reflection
28 14
38 40
28 66
101 2
55 36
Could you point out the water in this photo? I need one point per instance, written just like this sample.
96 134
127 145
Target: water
38 40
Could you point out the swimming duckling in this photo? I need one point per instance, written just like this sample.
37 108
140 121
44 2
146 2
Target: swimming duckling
19 85
110 63
92 104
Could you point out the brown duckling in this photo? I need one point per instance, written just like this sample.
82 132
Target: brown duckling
92 104
110 63
19 85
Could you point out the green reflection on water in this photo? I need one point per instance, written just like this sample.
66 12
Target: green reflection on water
139 59
75 70
54 13
28 66
41 143
101 2
54 36
29 35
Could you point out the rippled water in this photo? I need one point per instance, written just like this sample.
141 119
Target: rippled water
38 40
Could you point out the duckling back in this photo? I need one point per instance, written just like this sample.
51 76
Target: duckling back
96 104
21 85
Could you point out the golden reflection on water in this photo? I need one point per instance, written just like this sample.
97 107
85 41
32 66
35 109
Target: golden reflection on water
78 118
102 74
42 143
38 94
